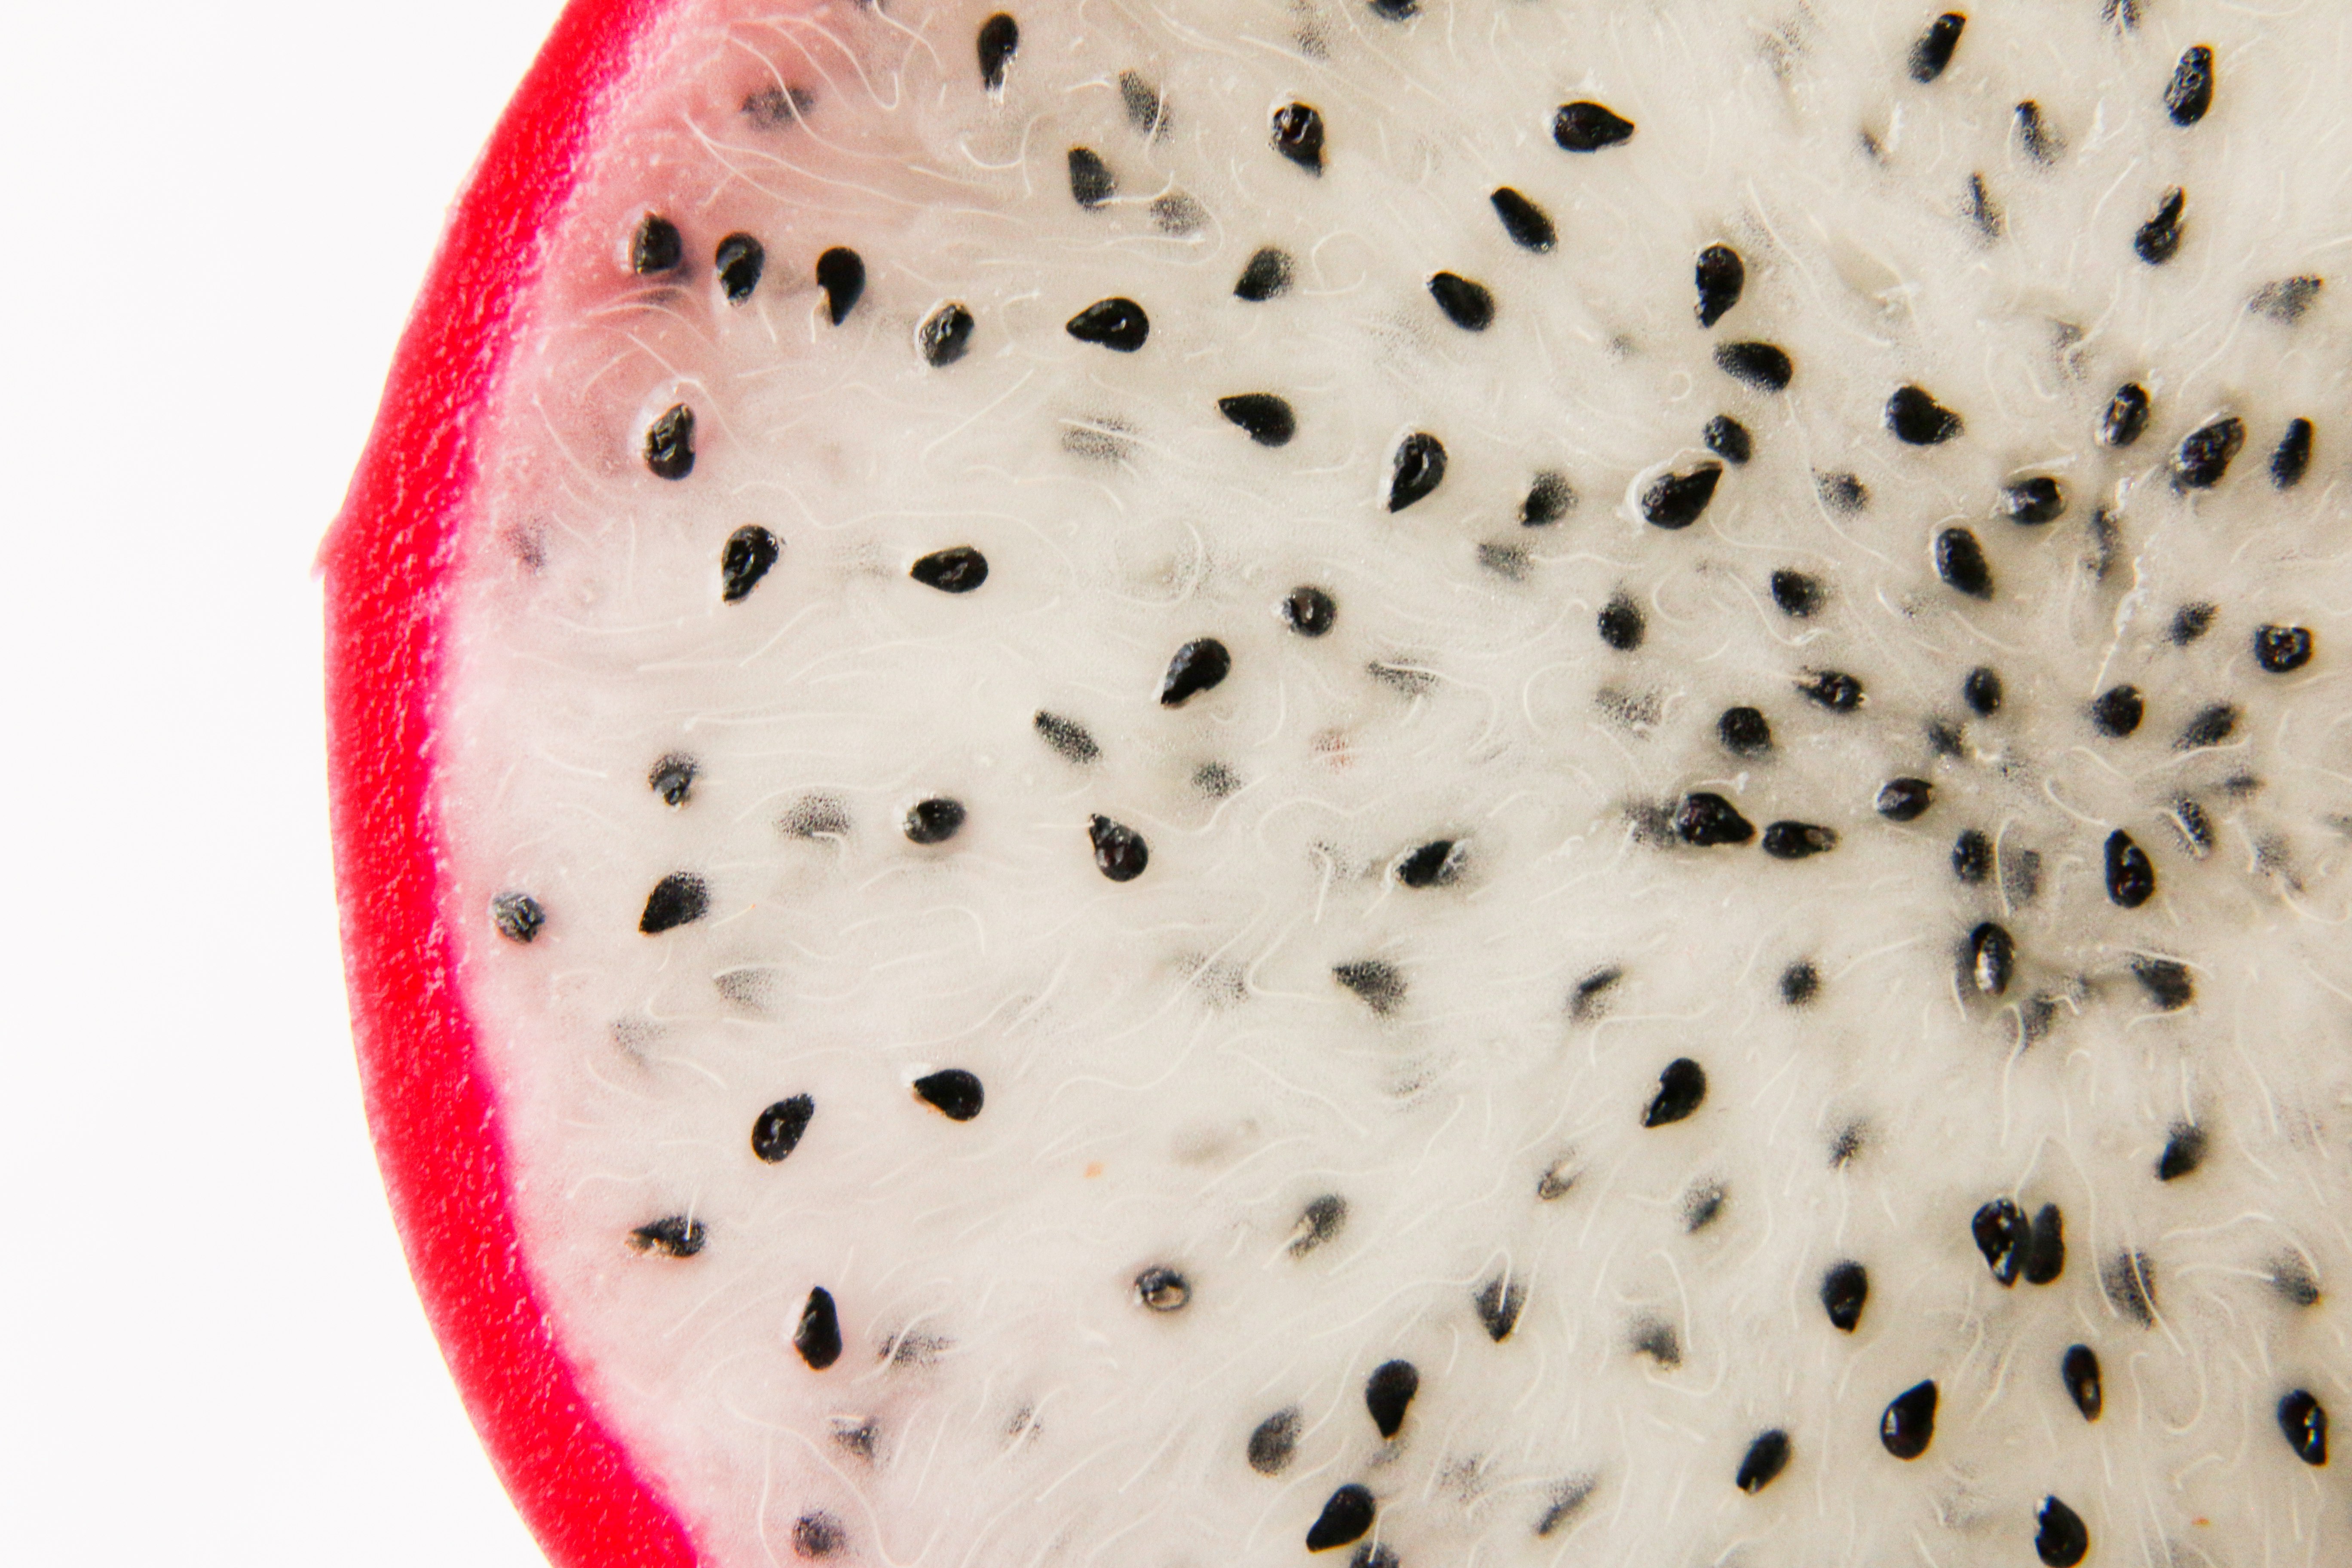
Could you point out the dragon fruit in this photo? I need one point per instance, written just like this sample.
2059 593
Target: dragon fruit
1403 782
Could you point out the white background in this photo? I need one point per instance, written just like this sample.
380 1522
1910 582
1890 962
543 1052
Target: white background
212 220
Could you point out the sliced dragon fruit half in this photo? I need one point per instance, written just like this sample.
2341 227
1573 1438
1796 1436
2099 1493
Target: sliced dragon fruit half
1414 781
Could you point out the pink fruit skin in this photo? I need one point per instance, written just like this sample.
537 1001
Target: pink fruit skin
387 563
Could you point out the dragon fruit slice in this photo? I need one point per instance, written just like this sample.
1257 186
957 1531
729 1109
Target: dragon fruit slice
1305 780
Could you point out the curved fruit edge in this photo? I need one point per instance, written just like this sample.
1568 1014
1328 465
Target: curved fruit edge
387 562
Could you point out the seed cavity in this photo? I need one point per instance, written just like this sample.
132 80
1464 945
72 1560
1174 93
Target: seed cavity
1933 51
2158 240
777 1130
1265 276
817 1536
1682 1088
999 38
1765 1457
2036 135
945 335
1379 985
1347 1515
2126 419
672 1236
933 821
1319 1222
1120 853
1905 800
841 273
1766 366
1720 275
517 917
2184 1151
1674 501
818 1336
1070 739
2167 983
1469 305
1972 857
1528 225
657 247
2210 727
1275 1442
2291 457
669 443
2287 301
1416 469
1091 181
1588 127
958 569
1550 497
952 1093
679 898
1833 689
2128 1280
1436 864
1499 1302
1908 1424
1918 419
2304 1422
1620 624
1162 1289
1706 821
1844 1290
1800 984
1309 611
1298 135
740 261
1387 1394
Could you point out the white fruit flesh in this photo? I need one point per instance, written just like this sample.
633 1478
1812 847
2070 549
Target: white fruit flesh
1172 1071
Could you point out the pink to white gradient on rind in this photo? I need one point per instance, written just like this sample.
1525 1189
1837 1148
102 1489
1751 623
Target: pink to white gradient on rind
388 564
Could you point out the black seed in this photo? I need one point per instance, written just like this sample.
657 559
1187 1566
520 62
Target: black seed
1767 1456
1981 690
2126 419
945 335
958 569
1727 438
2004 1234
1380 986
2034 134
672 1236
679 898
1436 864
740 259
2287 301
2167 983
2204 454
1745 731
1909 1424
952 1093
2045 1246
1266 275
1066 736
2190 93
749 551
2192 622
2304 1422
1309 611
1960 562
2282 649
2079 1370
1469 305
1797 594
1417 469
1091 181
841 273
2033 501
2116 711
1499 1301
2291 456
1116 323
1264 418
1917 418
669 443
1395 10
818 1535
1162 1289
777 1130
1682 1087
1989 960
1274 1443
1120 853
2156 239
1845 1288
1720 276
1905 800
2131 879
1298 135
1524 221
516 916
1800 984
656 247
1549 499
1764 365
1000 36
1322 1219
1944 737
1388 1392
1199 666
1620 624
1674 501
1934 50
1347 1515
1798 840
1708 820
933 821
2060 1538
1837 691
1587 127
818 1337
1972 857
2129 1281
2210 727
2184 1151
